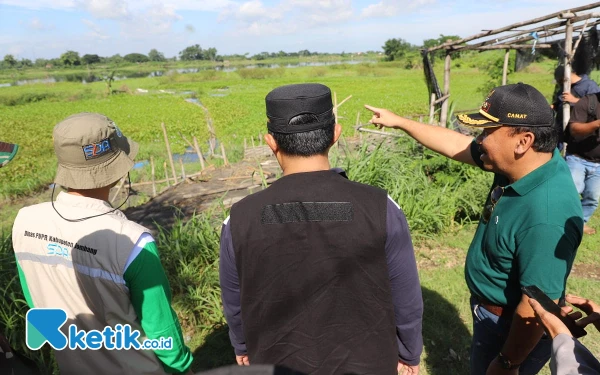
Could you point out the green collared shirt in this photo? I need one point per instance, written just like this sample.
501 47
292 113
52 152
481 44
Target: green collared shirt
531 238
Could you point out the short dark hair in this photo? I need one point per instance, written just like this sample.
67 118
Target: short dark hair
546 137
310 143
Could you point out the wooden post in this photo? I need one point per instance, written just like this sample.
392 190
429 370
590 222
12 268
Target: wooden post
153 177
431 108
245 145
162 124
357 122
567 78
166 174
260 139
253 142
421 119
118 189
444 114
505 67
182 169
225 162
335 110
199 152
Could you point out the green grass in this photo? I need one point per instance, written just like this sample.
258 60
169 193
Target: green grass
28 113
441 199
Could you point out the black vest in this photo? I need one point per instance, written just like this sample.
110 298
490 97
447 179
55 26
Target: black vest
314 282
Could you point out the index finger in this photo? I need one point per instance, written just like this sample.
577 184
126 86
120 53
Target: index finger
580 302
372 109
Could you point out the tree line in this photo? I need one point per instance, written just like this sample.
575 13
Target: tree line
398 48
394 49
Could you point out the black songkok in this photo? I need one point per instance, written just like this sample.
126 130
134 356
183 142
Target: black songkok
287 102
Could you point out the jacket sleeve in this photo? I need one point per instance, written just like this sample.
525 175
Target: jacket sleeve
570 357
230 291
151 299
405 286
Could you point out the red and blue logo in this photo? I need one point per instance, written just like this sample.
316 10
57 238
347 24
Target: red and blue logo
95 150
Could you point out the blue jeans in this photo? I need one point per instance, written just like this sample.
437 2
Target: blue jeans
586 175
490 333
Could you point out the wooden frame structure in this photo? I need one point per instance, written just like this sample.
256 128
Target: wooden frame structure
514 37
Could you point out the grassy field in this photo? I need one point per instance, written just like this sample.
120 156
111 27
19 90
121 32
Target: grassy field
235 101
442 199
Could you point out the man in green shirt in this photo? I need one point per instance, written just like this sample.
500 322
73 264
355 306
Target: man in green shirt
80 255
530 228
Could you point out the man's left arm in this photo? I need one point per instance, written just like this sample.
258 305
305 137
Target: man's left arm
543 257
150 295
405 286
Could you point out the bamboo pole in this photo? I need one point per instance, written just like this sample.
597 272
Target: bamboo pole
253 142
153 177
505 67
343 101
357 122
514 25
508 46
518 37
361 129
444 114
431 108
118 189
182 169
199 152
166 174
567 78
441 99
225 161
164 129
186 140
260 139
335 111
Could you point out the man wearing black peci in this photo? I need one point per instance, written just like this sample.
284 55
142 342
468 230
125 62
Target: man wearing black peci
318 272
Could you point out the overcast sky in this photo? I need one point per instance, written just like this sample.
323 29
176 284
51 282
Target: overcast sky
47 28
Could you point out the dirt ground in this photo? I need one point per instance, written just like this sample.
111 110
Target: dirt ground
225 185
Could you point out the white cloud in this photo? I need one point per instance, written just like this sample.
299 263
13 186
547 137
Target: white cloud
110 9
36 24
390 8
321 12
158 19
250 12
287 17
40 4
95 32
202 5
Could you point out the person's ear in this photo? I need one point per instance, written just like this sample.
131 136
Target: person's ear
337 132
524 142
271 143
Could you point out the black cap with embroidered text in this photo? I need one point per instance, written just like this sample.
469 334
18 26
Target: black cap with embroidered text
511 105
287 102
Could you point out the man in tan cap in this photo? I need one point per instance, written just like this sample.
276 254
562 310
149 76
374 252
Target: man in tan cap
82 256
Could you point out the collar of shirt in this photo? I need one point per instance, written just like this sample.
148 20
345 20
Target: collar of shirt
538 176
72 200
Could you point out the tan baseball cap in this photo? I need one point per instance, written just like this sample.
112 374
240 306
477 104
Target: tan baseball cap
92 152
